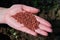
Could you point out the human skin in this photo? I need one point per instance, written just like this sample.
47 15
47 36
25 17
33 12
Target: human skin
6 13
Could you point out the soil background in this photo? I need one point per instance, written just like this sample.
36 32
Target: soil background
49 10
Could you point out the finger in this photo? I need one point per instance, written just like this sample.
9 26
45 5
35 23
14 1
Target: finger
14 24
43 21
30 9
26 30
45 28
41 32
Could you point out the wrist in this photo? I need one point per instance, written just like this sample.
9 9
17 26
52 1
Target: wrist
2 15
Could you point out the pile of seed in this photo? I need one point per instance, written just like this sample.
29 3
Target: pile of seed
28 19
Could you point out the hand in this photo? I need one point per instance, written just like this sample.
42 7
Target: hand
44 26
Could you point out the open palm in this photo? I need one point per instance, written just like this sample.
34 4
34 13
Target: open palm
44 26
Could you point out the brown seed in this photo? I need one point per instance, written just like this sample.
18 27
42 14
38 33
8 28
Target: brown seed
28 19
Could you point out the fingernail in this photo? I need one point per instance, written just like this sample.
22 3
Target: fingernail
50 30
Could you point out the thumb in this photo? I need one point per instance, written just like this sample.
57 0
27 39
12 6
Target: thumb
30 9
